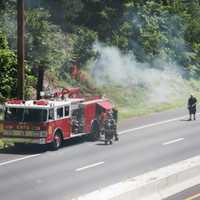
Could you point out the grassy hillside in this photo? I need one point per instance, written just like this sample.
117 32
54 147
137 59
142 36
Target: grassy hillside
135 101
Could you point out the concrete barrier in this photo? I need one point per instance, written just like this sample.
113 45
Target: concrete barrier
154 185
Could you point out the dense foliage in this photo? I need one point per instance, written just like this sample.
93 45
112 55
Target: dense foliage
63 31
8 69
45 41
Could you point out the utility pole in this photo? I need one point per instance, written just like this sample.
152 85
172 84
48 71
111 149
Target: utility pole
20 49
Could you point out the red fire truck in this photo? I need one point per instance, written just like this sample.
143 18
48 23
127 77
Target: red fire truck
54 120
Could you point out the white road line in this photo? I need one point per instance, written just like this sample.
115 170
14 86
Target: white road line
173 141
19 159
120 133
152 124
89 166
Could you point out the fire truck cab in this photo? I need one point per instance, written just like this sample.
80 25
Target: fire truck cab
51 121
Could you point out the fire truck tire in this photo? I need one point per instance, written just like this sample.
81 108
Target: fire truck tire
57 141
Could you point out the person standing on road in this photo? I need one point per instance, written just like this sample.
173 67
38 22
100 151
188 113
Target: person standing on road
192 101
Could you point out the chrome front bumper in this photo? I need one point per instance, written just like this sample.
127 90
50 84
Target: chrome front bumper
23 140
27 137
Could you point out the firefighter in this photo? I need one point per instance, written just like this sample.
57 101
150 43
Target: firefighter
109 128
102 119
192 101
115 118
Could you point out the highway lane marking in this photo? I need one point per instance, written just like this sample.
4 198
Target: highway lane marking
173 141
89 166
152 124
193 197
19 159
120 133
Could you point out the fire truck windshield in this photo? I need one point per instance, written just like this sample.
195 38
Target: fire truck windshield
25 115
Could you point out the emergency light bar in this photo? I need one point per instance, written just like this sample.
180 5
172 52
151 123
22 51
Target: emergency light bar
40 103
16 101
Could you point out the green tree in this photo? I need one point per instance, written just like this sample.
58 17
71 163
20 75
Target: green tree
8 23
82 46
45 44
8 69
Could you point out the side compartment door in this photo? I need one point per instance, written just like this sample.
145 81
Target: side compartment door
67 121
63 120
89 115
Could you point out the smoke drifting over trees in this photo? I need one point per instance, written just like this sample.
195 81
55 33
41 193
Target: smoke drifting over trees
163 82
154 45
150 52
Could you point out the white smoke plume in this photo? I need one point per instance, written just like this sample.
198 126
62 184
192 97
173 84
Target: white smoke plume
163 83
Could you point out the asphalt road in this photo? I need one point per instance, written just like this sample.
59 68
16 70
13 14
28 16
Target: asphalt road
146 143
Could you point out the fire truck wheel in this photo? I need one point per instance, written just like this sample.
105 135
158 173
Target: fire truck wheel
57 141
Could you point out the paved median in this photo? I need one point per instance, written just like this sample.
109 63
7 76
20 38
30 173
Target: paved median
154 185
